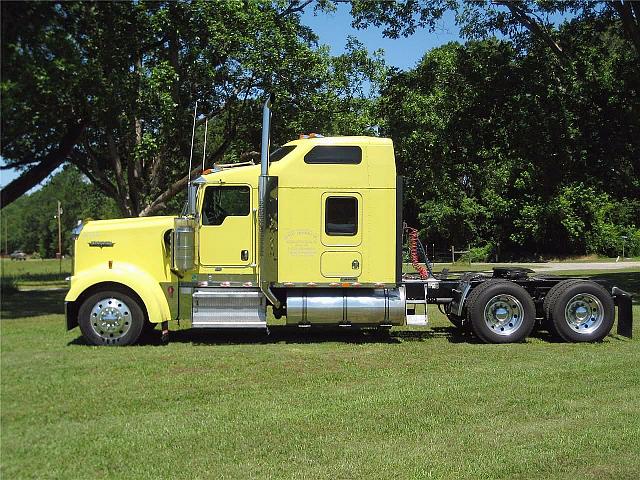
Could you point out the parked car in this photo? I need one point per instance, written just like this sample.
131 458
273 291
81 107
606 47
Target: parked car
18 255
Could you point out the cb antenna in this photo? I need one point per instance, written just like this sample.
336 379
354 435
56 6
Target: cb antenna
193 133
204 151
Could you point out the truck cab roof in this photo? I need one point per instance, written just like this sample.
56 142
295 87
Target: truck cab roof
338 162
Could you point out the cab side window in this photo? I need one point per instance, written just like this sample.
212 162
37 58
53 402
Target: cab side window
341 216
222 202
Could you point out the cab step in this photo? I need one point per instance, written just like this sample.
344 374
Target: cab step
416 309
229 308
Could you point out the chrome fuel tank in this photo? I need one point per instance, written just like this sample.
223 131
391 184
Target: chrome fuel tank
346 306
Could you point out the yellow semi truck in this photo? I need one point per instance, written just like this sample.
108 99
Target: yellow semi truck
314 233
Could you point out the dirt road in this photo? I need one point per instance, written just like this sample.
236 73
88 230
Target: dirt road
552 267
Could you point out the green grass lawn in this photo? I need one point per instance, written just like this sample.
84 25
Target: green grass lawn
418 403
37 273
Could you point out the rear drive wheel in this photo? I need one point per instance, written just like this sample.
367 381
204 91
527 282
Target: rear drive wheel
582 311
501 312
111 317
549 300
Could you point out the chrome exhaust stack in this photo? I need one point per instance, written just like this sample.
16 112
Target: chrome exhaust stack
266 137
262 196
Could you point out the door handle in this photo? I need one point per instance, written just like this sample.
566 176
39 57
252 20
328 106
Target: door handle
244 255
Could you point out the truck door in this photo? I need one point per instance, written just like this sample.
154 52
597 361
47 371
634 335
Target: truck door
341 235
227 227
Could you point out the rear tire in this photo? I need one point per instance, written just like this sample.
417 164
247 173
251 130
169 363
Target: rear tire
549 301
500 311
582 311
111 317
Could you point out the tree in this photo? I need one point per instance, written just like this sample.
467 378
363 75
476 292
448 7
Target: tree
126 76
29 223
517 20
497 152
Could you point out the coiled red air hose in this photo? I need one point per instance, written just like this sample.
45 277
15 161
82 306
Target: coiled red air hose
412 238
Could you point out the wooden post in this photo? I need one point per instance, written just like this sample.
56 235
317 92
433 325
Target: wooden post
453 255
59 236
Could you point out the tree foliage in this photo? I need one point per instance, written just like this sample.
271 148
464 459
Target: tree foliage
500 148
523 145
129 74
519 20
30 224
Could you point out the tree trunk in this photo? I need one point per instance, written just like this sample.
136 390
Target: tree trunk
48 164
537 30
630 23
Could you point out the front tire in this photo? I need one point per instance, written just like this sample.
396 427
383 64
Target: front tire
500 311
111 317
582 311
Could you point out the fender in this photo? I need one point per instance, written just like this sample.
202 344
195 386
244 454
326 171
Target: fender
147 287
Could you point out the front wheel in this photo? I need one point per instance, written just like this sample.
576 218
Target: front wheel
500 311
111 317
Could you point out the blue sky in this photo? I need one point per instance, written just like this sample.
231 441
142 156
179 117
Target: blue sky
333 30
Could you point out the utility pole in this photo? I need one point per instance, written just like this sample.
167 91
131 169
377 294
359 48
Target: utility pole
59 235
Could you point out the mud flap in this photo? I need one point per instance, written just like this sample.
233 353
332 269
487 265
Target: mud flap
625 314
71 314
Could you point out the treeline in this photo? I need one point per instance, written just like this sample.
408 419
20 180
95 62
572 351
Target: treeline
522 146
517 156
30 223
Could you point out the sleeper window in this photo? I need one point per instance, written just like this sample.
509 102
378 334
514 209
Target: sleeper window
341 216
222 202
339 155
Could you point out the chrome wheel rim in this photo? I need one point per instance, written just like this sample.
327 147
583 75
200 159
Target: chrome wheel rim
110 319
504 314
584 313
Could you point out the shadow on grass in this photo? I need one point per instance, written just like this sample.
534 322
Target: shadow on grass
41 277
295 335
627 281
32 303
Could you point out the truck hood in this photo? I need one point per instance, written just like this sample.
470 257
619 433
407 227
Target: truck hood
96 227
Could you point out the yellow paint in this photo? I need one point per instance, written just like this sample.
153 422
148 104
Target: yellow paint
302 192
141 258
132 276
222 245
341 264
340 240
